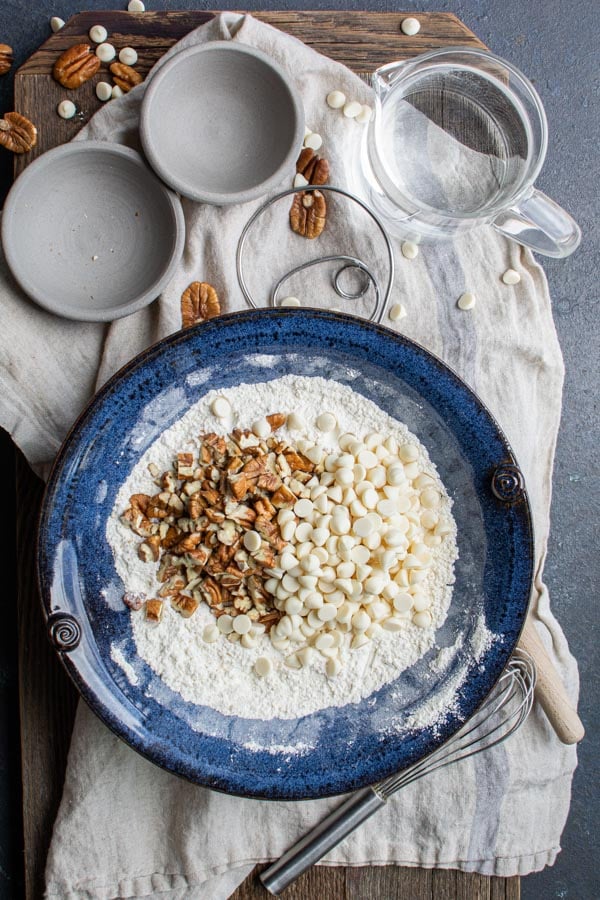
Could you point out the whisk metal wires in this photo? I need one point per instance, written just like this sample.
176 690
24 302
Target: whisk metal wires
349 262
497 718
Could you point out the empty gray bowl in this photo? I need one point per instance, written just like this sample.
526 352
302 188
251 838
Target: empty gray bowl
221 123
90 232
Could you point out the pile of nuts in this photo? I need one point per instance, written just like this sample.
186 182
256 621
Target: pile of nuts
318 549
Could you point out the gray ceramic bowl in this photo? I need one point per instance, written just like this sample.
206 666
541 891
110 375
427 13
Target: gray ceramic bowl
221 123
90 232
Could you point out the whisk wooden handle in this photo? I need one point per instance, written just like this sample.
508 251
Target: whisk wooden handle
549 689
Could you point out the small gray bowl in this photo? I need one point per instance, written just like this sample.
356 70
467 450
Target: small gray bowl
221 123
90 232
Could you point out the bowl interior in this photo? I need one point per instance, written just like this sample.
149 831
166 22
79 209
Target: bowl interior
335 749
90 229
220 120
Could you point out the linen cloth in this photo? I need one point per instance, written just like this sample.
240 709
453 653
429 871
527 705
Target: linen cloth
129 829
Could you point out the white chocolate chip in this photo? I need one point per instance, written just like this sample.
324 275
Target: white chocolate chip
511 277
98 34
314 141
220 407
422 619
261 428
352 109
300 180
336 99
103 91
105 52
466 301
365 115
326 422
225 624
410 26
397 312
409 250
263 666
242 624
332 667
408 453
66 109
56 23
290 301
128 56
136 6
295 422
210 634
303 508
252 541
116 92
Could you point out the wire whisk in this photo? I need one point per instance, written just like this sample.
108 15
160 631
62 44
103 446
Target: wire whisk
497 718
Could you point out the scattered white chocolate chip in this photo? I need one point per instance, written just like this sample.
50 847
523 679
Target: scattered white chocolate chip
103 91
66 109
307 131
314 141
220 407
332 667
128 56
352 109
336 99
116 92
410 26
263 665
105 52
136 6
225 624
295 422
98 34
466 301
300 180
364 115
409 250
290 301
422 619
252 541
326 422
56 23
397 312
511 276
210 634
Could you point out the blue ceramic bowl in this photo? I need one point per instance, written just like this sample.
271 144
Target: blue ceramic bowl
346 747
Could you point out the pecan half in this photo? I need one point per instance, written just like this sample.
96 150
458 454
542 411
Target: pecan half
75 66
17 133
125 77
308 214
6 58
314 168
199 301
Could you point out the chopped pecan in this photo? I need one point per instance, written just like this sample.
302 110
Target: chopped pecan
196 506
187 543
125 77
240 513
270 619
185 466
269 482
227 534
199 302
154 610
298 461
239 485
283 498
184 605
200 555
308 214
133 600
276 420
215 516
242 604
6 58
17 133
170 537
265 556
172 586
264 507
211 496
75 66
211 592
149 551
270 531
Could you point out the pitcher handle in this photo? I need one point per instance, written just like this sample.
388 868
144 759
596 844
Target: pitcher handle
541 224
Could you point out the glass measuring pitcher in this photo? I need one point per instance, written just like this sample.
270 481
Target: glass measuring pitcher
457 140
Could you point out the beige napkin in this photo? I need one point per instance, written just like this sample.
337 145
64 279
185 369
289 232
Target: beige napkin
125 827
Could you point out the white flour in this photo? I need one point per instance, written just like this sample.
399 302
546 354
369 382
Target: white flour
220 674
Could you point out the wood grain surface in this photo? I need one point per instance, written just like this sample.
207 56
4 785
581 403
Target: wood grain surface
363 41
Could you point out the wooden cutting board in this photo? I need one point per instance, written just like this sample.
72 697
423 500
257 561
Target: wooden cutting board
362 41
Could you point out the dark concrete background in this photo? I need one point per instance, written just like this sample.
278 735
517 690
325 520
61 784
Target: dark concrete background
556 44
